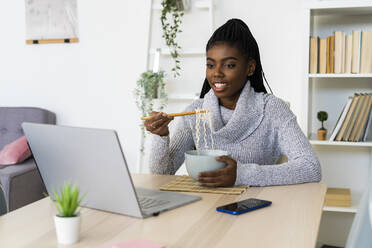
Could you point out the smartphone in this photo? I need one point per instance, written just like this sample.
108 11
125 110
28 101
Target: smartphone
244 206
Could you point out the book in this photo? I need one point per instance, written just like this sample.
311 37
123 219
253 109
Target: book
367 136
339 197
328 68
313 55
348 52
358 121
338 194
335 203
353 119
341 119
343 52
364 120
339 50
355 58
322 56
332 54
366 52
347 118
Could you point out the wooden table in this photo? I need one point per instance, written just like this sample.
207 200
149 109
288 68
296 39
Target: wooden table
291 221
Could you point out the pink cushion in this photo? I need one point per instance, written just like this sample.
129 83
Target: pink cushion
15 152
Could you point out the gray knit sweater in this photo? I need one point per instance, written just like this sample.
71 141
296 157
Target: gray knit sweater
260 129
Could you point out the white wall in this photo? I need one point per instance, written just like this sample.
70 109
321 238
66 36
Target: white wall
89 83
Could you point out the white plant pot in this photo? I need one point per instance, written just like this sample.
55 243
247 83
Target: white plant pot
67 229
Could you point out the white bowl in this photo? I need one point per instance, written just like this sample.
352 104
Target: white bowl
203 160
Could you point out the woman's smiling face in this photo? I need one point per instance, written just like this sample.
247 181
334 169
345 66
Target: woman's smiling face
227 71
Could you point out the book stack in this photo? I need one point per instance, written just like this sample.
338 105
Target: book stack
342 53
354 123
338 197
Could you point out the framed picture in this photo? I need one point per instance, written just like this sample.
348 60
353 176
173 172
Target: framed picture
51 21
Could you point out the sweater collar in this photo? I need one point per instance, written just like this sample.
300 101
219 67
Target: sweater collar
247 116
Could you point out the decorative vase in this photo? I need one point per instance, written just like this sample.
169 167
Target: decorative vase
67 229
322 134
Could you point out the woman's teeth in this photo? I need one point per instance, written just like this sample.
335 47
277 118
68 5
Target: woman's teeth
220 85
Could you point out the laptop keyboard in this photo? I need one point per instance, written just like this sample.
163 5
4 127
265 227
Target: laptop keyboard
147 202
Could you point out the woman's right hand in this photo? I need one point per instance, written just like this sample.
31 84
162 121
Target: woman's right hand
158 124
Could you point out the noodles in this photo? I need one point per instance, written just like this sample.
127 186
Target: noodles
209 115
203 116
197 124
205 131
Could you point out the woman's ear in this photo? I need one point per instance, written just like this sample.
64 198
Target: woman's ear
251 67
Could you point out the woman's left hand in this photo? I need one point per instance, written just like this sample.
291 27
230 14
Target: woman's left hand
223 177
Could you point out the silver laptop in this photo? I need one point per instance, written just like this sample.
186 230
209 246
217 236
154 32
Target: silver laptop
93 159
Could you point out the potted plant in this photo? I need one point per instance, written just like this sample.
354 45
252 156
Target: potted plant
150 87
322 132
67 221
171 19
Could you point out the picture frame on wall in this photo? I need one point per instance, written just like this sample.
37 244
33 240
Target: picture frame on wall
51 21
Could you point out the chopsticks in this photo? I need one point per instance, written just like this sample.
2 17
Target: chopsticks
176 114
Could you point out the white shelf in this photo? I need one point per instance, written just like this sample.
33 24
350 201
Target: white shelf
352 209
340 8
183 96
204 4
333 75
340 143
191 51
344 164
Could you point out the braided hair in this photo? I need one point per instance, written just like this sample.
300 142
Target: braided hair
236 33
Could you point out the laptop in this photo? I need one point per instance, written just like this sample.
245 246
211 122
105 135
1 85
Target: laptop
93 159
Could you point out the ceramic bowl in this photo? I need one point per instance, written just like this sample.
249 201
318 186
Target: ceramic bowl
203 160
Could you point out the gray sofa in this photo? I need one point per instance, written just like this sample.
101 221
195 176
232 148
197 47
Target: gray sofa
21 183
3 206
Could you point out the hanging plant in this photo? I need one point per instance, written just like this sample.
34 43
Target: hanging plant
171 19
150 87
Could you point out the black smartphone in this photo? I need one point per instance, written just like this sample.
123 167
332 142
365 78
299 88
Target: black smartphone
244 206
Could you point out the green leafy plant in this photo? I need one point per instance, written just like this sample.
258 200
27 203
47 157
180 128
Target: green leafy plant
67 200
171 19
322 117
150 86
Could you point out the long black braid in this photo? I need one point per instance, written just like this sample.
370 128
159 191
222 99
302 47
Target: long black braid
236 33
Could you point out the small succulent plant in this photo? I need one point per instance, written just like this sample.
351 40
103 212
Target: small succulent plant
67 200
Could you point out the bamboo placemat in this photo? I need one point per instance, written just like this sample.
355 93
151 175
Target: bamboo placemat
187 184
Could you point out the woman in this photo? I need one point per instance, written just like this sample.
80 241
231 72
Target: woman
253 126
